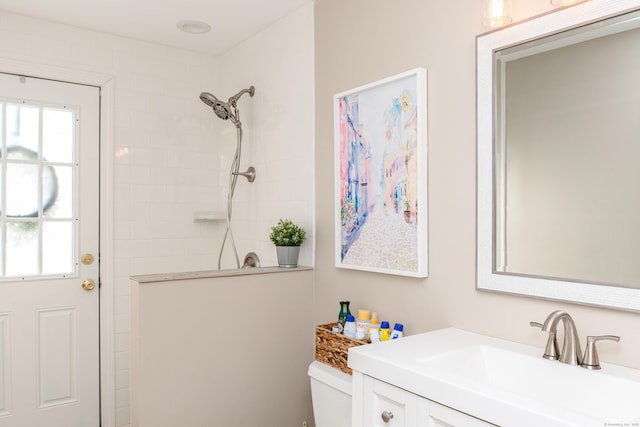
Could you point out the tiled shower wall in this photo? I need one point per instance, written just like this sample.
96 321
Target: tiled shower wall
279 132
169 161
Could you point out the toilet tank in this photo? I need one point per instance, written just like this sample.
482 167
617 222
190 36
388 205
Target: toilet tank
331 395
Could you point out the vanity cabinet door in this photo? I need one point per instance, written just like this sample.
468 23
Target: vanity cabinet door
443 416
388 406
384 405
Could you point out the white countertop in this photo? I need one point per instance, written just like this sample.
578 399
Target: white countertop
433 365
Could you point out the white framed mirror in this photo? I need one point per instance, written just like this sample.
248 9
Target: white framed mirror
558 140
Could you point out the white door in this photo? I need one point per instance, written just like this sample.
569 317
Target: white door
49 224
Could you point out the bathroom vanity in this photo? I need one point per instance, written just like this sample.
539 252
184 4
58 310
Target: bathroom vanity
452 377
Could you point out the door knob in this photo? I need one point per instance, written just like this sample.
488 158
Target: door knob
88 284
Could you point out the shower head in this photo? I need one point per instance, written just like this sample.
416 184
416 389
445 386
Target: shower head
208 99
222 109
226 110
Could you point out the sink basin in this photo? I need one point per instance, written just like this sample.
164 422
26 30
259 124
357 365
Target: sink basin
502 382
592 393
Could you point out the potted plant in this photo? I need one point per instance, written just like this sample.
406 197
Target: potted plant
287 237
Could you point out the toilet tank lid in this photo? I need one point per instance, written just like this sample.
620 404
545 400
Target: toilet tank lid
330 376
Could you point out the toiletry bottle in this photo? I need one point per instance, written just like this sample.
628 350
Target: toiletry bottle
374 327
344 311
350 326
385 333
362 324
374 336
397 331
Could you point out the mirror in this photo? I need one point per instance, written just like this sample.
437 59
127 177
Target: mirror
558 148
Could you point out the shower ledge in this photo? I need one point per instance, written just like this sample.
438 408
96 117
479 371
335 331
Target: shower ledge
190 275
200 216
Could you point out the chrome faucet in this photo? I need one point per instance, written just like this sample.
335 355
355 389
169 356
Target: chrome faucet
571 353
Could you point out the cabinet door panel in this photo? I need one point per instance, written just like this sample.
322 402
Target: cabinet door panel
388 406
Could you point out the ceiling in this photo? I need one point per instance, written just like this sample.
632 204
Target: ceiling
231 21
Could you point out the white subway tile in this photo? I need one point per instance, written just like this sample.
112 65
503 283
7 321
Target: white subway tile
121 360
122 397
123 416
121 268
122 285
122 379
123 308
148 50
122 344
121 323
92 57
126 64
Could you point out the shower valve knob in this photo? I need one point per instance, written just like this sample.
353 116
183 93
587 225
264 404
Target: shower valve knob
250 174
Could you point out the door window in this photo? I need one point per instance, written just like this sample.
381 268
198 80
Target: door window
38 226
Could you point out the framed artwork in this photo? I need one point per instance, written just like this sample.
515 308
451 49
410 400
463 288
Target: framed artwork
380 139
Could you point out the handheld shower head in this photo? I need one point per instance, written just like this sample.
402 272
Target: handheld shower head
226 110
221 108
223 111
208 99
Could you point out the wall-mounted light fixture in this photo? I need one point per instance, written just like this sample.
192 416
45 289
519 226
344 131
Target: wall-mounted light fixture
497 13
566 2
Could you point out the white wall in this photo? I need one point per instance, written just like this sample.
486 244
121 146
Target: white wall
166 162
361 41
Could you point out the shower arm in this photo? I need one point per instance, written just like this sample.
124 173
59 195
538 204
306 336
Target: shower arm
234 99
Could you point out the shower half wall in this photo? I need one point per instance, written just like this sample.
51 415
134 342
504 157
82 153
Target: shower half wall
222 349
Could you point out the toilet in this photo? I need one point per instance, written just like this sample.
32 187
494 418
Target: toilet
331 395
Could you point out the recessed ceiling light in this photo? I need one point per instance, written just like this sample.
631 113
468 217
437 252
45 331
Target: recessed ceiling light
193 27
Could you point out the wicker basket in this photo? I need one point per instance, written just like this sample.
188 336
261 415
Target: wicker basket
333 348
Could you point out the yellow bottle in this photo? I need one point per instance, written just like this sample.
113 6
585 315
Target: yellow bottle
385 333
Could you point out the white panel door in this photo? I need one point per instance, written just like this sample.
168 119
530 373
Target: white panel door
49 224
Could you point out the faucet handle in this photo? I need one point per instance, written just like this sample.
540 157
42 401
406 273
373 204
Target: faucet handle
551 350
590 359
